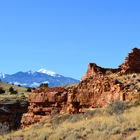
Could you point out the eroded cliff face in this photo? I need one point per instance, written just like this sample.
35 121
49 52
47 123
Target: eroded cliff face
10 114
98 88
130 65
94 69
94 92
44 102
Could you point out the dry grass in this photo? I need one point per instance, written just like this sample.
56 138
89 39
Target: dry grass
92 125
118 121
22 92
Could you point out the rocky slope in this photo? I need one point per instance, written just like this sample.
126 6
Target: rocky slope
44 102
91 93
11 112
119 121
98 89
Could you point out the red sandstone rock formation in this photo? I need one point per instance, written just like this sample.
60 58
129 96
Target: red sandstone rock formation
43 102
93 70
131 65
96 90
132 62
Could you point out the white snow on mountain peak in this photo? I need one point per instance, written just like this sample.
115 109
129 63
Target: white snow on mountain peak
51 73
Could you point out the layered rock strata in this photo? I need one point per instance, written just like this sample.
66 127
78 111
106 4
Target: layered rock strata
94 92
43 102
98 88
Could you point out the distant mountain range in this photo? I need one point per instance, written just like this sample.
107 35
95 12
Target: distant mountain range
35 78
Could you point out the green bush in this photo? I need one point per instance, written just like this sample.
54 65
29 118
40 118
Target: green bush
116 107
2 90
29 89
12 90
44 85
109 72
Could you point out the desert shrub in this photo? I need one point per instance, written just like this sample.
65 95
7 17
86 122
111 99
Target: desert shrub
2 90
29 89
118 81
75 118
138 89
12 90
134 103
116 107
138 80
91 77
44 85
81 116
58 119
109 72
92 113
134 76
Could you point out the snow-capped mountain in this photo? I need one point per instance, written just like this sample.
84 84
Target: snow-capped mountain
35 78
48 72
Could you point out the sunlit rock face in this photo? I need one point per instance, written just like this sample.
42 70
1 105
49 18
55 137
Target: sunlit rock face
98 88
44 102
132 62
94 69
130 65
94 92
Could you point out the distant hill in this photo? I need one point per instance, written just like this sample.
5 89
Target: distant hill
35 78
21 92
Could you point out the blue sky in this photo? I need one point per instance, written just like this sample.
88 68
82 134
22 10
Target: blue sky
65 35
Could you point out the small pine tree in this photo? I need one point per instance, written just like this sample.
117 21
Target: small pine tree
29 89
44 85
12 91
2 90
